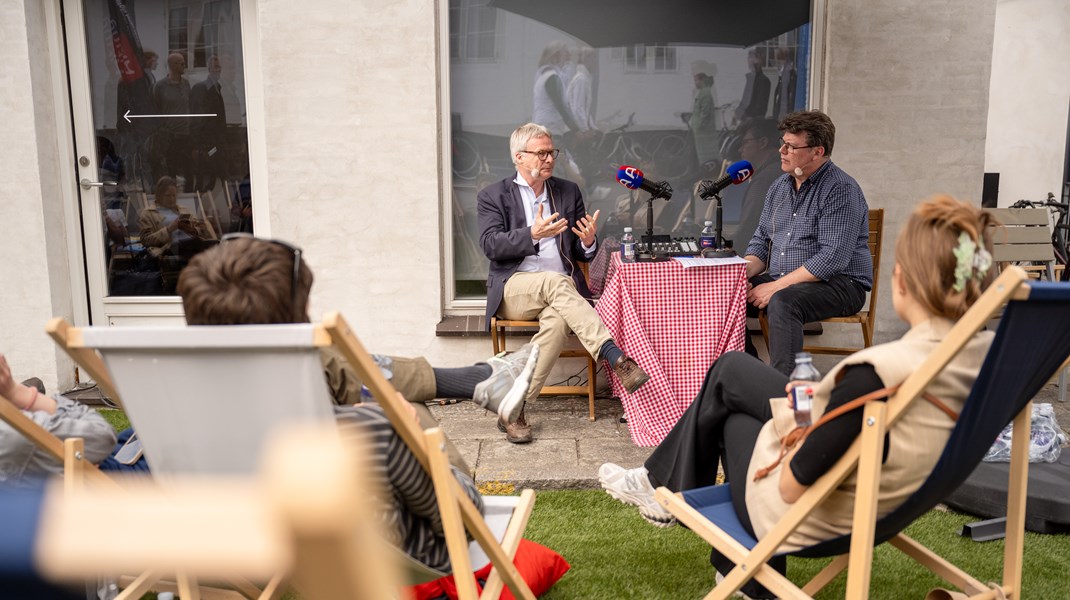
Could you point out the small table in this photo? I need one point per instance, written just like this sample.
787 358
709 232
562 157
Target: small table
674 322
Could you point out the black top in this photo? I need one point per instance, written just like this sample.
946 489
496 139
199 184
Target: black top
826 444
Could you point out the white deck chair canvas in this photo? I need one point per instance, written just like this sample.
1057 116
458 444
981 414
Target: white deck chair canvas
203 400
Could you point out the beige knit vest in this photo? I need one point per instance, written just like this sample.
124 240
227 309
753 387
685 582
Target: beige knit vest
916 440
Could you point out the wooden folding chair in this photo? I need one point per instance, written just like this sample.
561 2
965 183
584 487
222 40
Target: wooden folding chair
1024 238
1032 340
204 399
312 522
500 328
867 318
457 510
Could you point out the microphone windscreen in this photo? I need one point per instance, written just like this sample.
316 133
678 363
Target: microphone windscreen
630 177
740 171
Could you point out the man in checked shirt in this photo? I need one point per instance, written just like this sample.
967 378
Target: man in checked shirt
809 257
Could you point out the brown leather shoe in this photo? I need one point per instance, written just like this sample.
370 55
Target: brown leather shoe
518 432
631 376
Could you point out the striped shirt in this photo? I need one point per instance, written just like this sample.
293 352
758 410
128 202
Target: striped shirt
410 513
823 226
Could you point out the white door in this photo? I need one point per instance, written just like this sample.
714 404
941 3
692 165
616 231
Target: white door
158 104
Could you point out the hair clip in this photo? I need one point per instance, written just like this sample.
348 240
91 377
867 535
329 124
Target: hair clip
971 261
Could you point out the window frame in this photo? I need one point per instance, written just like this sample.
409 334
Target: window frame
453 306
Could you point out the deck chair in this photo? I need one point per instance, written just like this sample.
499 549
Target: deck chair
288 518
458 512
1030 344
242 382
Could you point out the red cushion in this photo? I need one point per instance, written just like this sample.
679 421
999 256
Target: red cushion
540 567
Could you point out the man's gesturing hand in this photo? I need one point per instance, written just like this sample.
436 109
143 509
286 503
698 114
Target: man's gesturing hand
548 227
587 228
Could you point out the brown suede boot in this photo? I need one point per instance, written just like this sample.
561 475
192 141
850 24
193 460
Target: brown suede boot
518 432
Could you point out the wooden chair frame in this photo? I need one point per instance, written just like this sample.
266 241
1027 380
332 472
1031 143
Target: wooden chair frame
1024 235
226 527
867 318
458 511
864 456
499 329
77 471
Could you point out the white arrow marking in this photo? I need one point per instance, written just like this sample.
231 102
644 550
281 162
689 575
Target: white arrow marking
129 116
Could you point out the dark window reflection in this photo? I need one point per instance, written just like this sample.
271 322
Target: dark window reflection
169 114
676 107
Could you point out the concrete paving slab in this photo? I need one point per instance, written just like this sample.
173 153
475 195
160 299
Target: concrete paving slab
568 448
566 452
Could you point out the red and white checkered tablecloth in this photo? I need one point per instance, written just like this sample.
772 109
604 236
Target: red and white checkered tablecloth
674 322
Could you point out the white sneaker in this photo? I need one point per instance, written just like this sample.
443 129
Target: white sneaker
504 391
632 486
738 594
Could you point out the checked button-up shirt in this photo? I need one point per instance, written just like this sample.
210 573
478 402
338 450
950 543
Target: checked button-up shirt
824 226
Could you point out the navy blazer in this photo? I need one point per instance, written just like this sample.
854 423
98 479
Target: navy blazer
506 237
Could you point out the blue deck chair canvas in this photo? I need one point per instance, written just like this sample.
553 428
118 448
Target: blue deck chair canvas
1032 341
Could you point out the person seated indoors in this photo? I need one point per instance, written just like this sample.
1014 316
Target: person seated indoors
170 228
247 281
942 266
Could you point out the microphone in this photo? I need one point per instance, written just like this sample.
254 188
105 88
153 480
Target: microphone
632 178
737 172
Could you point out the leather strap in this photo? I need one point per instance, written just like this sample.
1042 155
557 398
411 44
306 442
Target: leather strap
799 434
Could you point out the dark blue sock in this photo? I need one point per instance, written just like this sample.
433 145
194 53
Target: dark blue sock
610 352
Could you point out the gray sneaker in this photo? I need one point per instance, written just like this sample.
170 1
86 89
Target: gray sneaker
504 391
632 486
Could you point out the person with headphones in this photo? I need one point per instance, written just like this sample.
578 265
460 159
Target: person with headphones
809 257
535 229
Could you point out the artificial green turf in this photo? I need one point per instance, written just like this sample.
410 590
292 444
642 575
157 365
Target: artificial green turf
115 417
614 553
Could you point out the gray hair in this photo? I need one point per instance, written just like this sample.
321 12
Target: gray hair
524 134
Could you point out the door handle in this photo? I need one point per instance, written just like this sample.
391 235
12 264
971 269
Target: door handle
86 184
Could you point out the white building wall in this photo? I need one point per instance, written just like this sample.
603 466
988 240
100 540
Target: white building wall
907 86
350 101
35 279
351 96
1029 98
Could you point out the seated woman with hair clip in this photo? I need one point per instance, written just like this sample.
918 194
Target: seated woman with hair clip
943 265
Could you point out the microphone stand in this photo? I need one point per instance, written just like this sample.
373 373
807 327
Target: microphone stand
721 251
648 256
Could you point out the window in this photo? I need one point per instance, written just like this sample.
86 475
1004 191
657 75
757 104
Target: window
473 27
507 66
646 58
208 23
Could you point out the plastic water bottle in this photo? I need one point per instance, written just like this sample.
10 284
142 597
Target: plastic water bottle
627 246
803 393
708 239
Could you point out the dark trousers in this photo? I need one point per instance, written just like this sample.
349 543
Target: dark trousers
721 425
802 303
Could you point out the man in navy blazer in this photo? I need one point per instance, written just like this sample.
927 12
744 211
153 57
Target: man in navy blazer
524 224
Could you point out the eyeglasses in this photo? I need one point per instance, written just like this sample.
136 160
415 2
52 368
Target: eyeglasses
791 148
294 250
542 154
